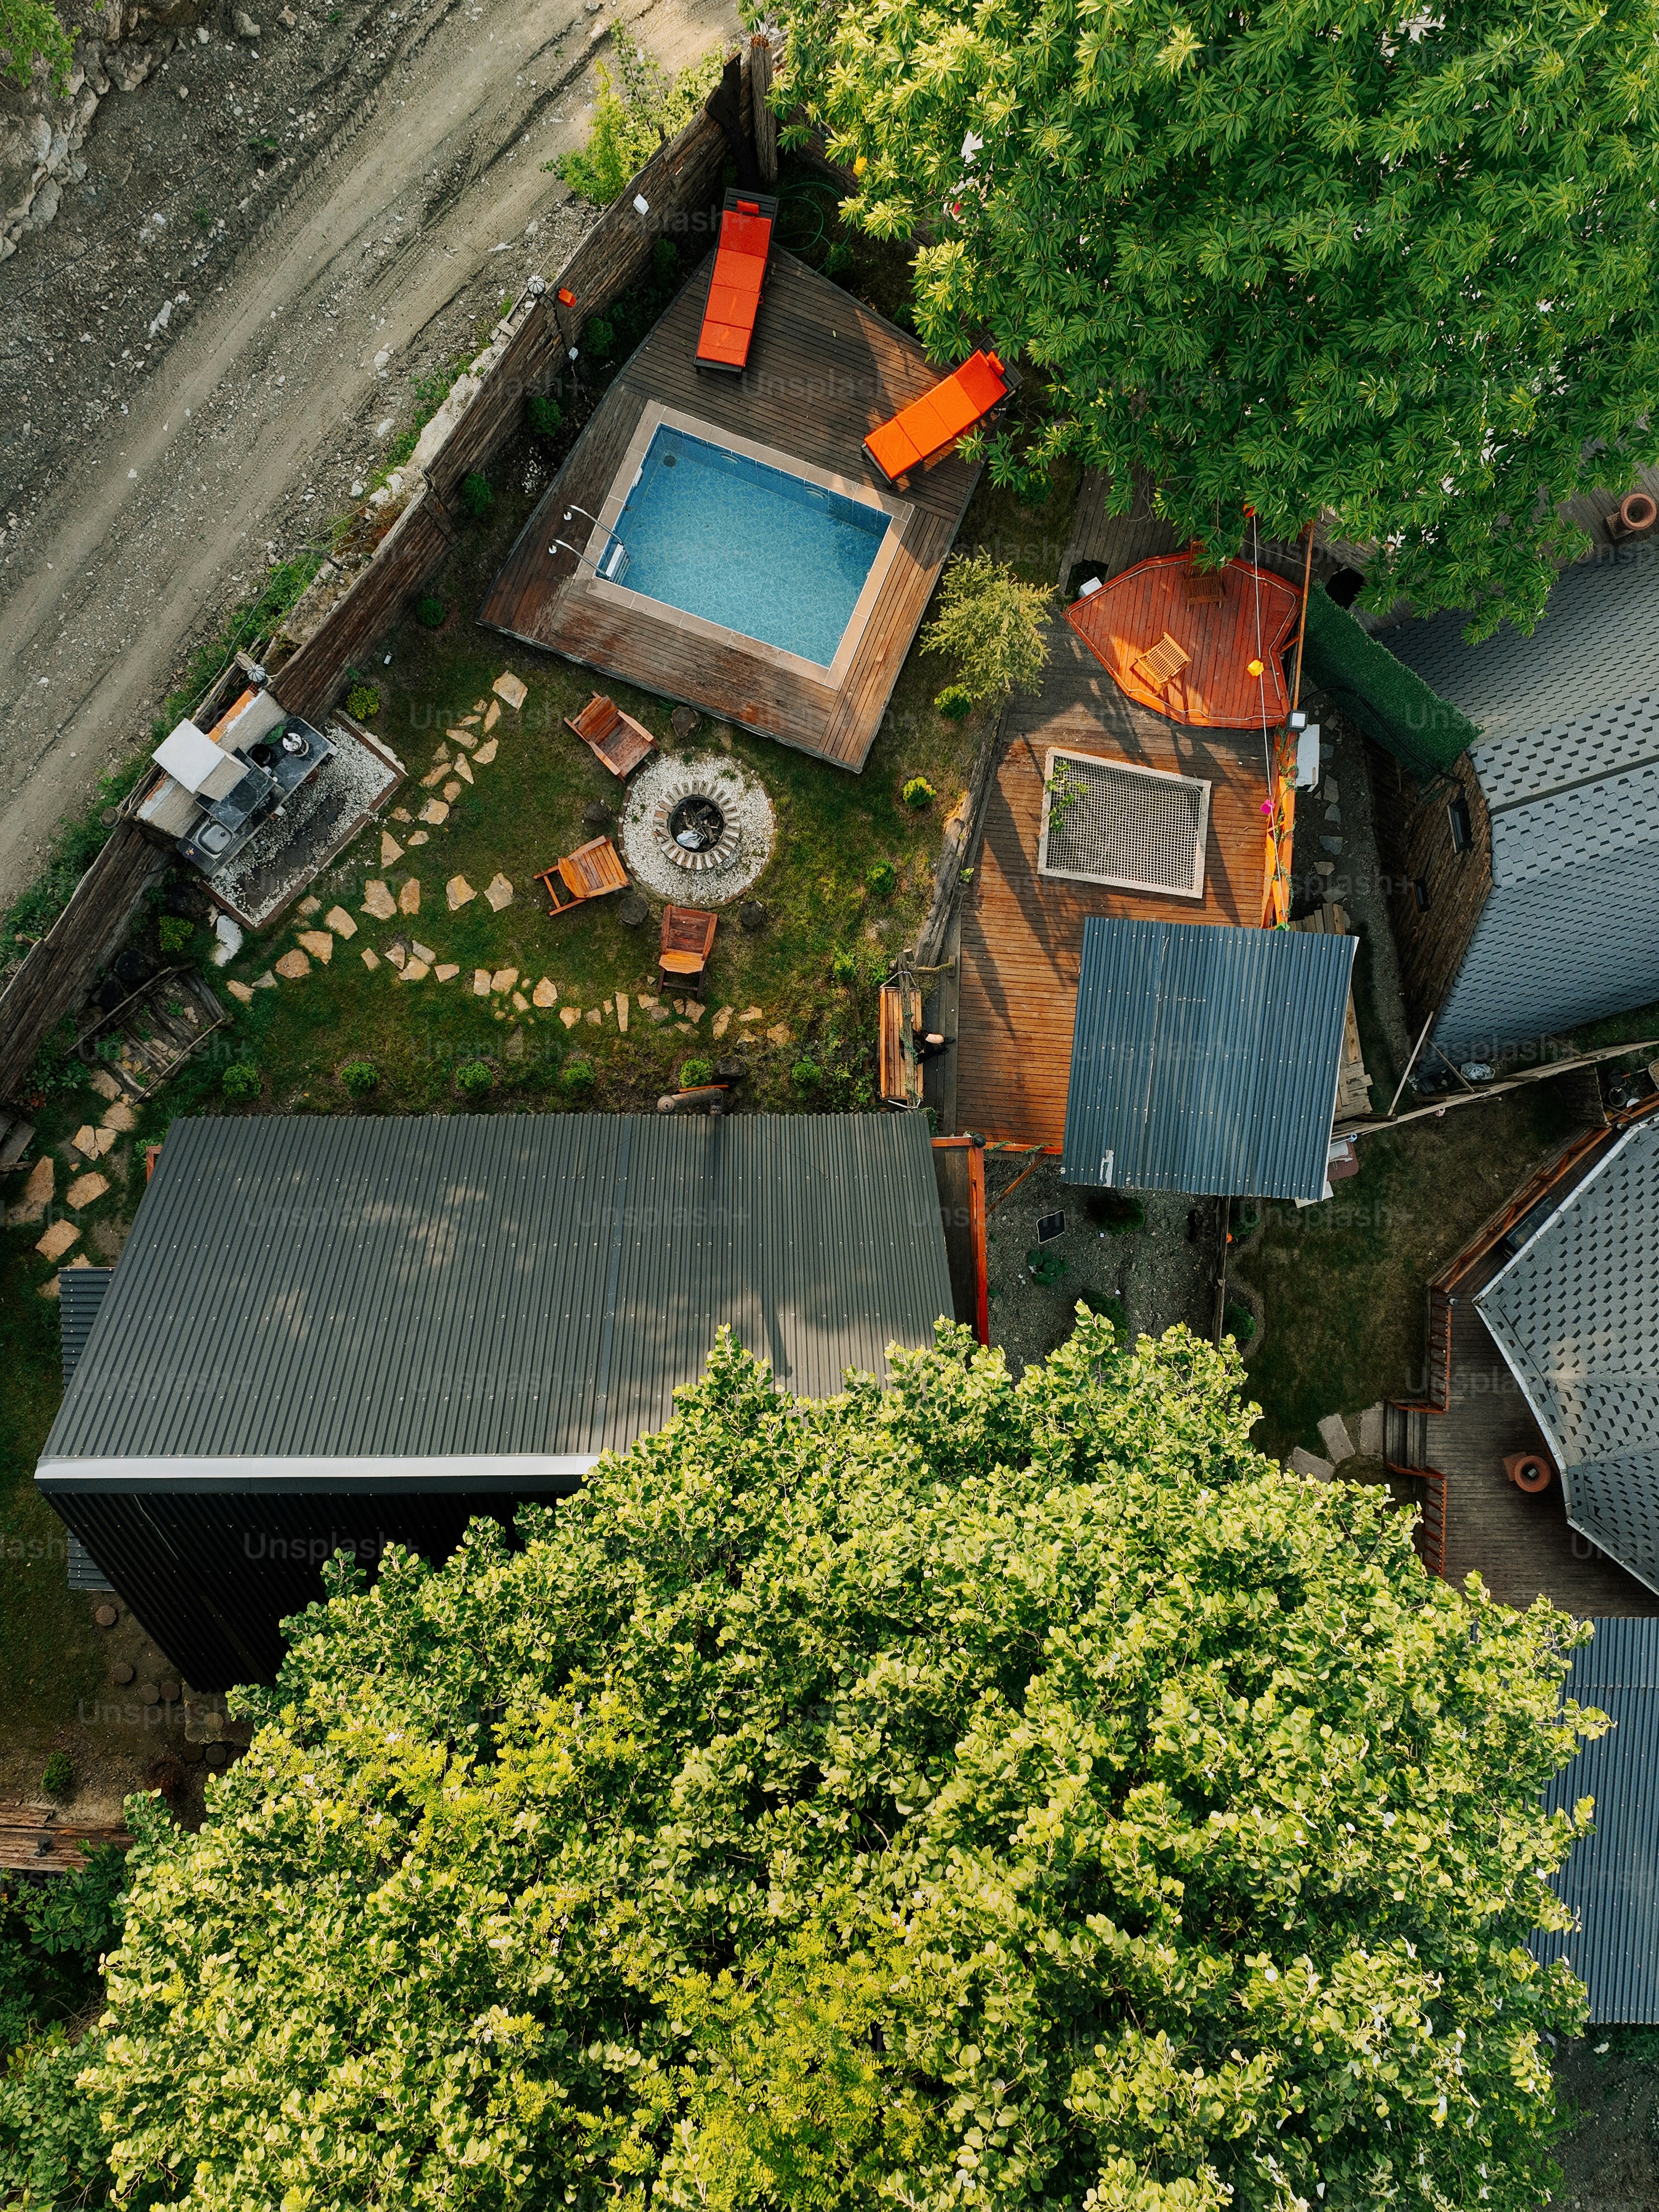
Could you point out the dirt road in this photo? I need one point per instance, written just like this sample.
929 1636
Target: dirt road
192 378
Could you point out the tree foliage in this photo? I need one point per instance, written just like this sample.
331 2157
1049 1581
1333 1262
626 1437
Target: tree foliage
1304 258
978 1793
994 627
31 32
634 113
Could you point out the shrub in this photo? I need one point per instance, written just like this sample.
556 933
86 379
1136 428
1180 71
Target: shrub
1045 1264
994 627
954 703
919 793
1240 1324
1109 1309
1119 1212
696 1073
600 335
634 112
664 260
477 497
546 416
360 1076
578 1077
58 1778
843 967
362 702
175 931
430 613
474 1079
882 878
807 1074
241 1082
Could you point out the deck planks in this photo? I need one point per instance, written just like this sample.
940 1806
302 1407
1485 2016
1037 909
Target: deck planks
1256 619
1022 933
824 370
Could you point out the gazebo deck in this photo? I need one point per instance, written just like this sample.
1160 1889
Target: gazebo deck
822 371
1256 619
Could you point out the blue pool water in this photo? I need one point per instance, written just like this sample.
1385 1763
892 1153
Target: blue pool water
757 550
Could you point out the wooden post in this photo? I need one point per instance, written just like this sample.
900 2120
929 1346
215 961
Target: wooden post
766 124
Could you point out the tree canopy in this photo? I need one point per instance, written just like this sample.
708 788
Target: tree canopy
1305 258
977 1794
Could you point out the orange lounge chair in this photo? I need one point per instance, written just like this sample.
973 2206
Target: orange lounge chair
615 737
735 281
590 871
926 430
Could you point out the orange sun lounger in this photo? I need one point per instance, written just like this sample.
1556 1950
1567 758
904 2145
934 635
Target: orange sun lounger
926 430
734 283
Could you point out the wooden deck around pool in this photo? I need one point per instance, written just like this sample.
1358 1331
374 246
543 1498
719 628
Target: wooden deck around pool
822 371
1022 932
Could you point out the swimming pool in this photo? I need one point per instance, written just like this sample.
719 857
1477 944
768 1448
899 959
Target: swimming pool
731 540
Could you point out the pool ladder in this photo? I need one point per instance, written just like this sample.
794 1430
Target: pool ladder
613 567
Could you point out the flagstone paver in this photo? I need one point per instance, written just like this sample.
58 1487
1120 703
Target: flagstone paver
721 1022
499 891
391 851
292 966
409 896
86 1190
487 752
340 922
58 1240
545 994
508 687
319 944
378 900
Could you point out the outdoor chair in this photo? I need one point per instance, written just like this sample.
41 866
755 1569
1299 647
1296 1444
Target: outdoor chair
735 281
1160 665
592 870
900 1029
928 429
614 737
687 938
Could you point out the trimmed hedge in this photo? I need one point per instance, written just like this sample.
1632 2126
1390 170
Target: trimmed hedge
1384 698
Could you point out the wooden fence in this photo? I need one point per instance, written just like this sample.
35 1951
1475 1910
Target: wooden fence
678 185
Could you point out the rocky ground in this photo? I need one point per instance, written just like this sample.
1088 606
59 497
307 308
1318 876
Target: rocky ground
253 259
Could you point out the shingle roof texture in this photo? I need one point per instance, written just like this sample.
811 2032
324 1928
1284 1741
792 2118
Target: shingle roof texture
1575 1314
1611 1879
1205 1058
504 1283
1568 764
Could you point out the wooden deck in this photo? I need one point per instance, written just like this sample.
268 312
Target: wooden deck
1022 932
1256 619
824 370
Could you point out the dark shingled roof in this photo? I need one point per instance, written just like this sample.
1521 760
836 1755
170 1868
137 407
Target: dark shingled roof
1204 1058
499 1297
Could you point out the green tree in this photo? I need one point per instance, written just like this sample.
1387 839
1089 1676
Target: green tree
634 113
32 31
1027 1786
1398 270
994 627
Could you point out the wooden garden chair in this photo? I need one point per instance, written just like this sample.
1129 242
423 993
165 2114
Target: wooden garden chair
687 938
592 870
614 737
1160 665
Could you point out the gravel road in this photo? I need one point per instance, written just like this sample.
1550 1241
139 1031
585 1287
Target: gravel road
189 386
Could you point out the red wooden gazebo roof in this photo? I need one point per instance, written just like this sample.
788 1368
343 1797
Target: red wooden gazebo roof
1254 618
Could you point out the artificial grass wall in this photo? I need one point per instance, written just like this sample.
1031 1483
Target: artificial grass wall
1380 693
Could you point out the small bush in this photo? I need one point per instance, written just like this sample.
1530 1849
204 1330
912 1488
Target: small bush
430 613
1045 1264
882 878
1240 1324
360 1077
57 1780
477 497
362 702
954 702
578 1077
695 1072
601 336
1246 1222
843 967
1110 1309
919 793
241 1082
474 1079
546 416
664 260
175 931
807 1074
994 627
634 112
1119 1212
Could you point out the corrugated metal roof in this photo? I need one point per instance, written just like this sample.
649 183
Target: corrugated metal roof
79 1294
1575 1314
1612 1879
1204 1058
359 1291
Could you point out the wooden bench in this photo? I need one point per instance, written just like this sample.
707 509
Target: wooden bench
901 1029
614 737
592 870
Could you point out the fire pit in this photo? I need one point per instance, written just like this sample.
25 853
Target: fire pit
698 831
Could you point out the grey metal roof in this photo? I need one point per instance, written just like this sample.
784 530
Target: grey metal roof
486 1300
1575 1314
1568 762
1612 1879
1204 1058
79 1294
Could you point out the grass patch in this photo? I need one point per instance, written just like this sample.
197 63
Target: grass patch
1343 1283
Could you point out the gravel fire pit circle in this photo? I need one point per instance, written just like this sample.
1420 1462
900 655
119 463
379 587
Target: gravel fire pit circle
696 831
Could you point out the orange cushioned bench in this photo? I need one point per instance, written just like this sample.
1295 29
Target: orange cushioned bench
926 429
734 285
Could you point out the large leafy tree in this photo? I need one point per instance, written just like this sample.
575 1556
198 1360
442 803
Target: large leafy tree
980 1794
1309 256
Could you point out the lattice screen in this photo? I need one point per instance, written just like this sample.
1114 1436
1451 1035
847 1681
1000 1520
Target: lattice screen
1106 822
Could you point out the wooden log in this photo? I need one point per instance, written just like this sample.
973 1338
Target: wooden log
961 835
764 123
